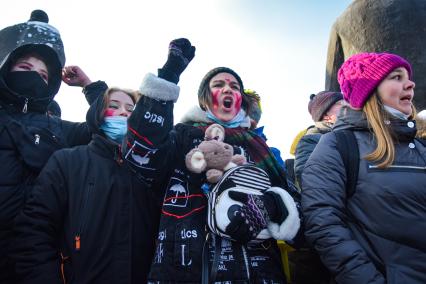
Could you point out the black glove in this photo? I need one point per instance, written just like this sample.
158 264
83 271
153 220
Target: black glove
255 214
181 52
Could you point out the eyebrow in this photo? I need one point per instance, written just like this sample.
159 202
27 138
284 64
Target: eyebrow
399 70
218 81
117 101
45 72
24 61
223 81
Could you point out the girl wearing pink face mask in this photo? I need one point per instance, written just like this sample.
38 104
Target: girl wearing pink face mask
183 254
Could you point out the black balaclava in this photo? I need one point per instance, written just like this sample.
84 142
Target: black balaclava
26 92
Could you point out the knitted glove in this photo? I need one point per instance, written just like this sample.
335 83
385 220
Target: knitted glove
255 214
181 52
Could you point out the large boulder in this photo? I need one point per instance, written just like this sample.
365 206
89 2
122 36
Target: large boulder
395 26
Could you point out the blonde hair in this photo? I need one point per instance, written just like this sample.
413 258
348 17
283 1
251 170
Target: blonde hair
134 96
385 139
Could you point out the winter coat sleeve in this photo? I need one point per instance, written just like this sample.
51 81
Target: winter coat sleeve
75 133
149 145
38 227
304 149
78 133
324 208
94 90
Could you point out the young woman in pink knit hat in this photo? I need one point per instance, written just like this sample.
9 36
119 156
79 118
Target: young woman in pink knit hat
374 232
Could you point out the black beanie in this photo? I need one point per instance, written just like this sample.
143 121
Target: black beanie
205 81
320 103
35 33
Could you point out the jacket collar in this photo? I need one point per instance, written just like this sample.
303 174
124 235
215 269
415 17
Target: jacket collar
106 148
195 115
403 130
319 128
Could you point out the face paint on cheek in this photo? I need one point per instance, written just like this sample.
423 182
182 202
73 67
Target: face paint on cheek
109 112
238 101
215 101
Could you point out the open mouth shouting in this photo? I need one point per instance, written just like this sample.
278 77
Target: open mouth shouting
228 103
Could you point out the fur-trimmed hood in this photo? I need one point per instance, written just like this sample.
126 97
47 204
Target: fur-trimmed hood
421 128
195 114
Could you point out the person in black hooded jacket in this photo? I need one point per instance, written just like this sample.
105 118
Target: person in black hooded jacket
186 251
90 217
32 57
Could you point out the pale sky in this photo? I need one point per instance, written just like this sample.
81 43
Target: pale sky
278 47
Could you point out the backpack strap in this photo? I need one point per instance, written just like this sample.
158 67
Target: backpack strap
289 165
209 276
422 141
348 149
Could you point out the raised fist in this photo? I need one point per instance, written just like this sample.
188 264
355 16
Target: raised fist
75 76
181 52
183 49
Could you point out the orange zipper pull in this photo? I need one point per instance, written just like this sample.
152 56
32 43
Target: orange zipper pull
77 242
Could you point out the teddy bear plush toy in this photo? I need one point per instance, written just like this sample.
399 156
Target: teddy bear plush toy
213 155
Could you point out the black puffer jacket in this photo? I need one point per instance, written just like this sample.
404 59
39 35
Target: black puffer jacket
157 150
91 213
377 235
27 140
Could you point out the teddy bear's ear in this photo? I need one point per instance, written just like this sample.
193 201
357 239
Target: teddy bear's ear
216 132
195 161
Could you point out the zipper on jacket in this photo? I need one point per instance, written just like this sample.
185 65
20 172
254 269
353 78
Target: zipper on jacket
63 259
117 155
398 167
25 108
77 241
246 262
37 139
83 218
